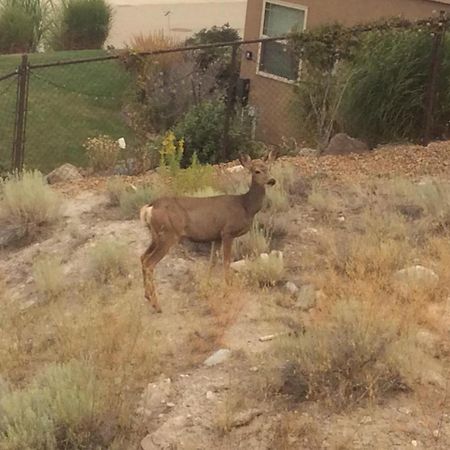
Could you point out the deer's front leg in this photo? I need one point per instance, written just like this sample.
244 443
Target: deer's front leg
227 243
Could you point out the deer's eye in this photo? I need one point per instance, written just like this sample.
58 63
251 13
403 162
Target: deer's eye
257 171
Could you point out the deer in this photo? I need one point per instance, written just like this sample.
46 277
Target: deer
215 219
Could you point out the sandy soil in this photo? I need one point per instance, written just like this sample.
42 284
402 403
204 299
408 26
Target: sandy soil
186 17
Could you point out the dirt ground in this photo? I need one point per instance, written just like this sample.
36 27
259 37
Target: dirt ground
228 406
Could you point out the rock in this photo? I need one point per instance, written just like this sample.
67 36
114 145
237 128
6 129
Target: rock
66 172
291 288
306 151
416 277
210 395
306 298
155 397
404 410
218 357
239 266
342 144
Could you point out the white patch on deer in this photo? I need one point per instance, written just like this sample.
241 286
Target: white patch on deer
146 214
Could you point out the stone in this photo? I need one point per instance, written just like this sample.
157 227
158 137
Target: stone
291 288
236 169
342 144
155 396
218 357
66 172
416 277
210 395
239 266
306 298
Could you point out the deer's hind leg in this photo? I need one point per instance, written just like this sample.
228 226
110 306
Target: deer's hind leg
154 254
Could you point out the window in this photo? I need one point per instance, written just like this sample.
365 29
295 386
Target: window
275 57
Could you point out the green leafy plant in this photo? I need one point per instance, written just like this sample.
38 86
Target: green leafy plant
384 99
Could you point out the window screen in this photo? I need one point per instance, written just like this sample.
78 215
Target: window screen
276 58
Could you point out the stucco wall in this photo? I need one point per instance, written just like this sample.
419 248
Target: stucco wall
271 98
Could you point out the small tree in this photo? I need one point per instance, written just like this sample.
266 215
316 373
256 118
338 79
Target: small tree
81 24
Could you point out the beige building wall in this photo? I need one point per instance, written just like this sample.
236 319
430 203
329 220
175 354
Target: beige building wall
272 98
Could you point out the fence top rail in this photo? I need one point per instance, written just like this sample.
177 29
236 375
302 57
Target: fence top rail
158 52
8 75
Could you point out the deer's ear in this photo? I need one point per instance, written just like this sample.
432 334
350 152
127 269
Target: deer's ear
271 156
246 161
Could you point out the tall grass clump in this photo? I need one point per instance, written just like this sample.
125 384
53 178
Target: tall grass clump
60 408
81 25
384 98
357 353
22 24
109 260
28 203
132 200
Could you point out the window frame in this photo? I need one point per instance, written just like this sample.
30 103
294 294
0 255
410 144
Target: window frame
260 72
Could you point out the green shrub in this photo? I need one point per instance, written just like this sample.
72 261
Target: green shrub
109 259
81 25
27 202
22 24
60 408
202 130
385 96
357 353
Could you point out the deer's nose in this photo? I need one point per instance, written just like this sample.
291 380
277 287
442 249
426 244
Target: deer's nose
271 182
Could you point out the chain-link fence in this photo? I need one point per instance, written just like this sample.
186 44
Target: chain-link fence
224 98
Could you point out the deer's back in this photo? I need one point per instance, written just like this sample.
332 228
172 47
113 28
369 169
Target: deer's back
203 219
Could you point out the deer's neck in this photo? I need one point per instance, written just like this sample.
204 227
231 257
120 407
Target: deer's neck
253 199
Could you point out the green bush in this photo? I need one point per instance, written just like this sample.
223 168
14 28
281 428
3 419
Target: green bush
16 29
131 201
202 131
384 99
60 408
81 25
22 24
28 203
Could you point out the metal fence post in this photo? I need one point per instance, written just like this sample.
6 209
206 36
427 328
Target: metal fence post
230 103
431 91
18 151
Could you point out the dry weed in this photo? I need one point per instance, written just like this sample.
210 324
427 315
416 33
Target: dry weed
49 276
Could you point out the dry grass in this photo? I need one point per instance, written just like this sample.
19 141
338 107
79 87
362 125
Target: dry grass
324 202
103 328
255 242
157 40
28 203
131 201
49 276
359 351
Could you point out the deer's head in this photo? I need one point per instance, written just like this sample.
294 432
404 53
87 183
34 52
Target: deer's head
260 168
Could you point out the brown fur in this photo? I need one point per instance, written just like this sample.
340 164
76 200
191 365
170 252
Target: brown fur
210 219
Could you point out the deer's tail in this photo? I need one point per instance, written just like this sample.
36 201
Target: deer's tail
146 214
